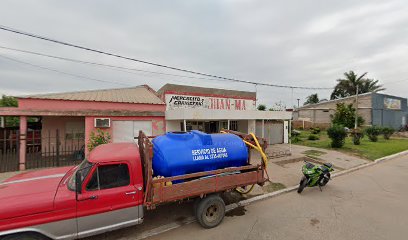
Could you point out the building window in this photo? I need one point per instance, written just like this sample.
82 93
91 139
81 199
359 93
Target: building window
224 125
109 176
74 130
234 125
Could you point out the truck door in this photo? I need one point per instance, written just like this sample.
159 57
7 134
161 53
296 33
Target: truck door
109 200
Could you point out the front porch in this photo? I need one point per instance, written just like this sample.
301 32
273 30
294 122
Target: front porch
55 141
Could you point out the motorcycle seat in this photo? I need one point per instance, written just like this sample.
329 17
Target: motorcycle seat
329 165
310 165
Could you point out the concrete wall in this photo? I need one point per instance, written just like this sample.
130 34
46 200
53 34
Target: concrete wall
158 124
319 114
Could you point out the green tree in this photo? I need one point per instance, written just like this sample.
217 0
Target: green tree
9 101
311 99
261 107
345 116
348 86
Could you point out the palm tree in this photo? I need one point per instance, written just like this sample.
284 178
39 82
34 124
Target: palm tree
348 86
311 99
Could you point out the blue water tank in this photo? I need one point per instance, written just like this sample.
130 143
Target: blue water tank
178 153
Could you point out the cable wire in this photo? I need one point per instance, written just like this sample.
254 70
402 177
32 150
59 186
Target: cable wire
5 28
115 67
61 72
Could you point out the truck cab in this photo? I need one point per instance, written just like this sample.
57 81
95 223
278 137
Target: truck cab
103 193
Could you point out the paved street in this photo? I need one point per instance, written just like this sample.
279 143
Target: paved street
368 204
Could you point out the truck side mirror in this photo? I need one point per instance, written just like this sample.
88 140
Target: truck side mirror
78 182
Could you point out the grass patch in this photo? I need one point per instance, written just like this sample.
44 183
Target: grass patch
313 153
272 187
368 150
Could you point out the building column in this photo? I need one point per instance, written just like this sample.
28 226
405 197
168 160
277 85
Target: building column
263 128
23 143
228 124
290 136
185 125
89 127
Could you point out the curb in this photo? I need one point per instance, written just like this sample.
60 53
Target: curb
174 225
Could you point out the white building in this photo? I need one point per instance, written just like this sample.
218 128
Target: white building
210 110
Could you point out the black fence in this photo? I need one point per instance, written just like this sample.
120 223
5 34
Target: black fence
43 149
9 150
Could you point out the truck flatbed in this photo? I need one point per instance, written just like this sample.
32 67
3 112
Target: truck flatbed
195 184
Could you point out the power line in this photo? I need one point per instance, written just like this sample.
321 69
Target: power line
61 72
5 28
119 68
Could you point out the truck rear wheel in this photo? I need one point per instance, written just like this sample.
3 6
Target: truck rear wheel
24 236
210 211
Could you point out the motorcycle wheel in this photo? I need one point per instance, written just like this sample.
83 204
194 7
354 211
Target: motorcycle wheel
302 185
325 179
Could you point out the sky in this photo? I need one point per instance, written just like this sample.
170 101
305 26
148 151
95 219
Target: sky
296 43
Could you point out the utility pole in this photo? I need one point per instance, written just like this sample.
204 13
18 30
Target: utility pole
356 117
298 101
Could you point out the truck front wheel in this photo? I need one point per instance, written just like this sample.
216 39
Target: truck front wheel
24 236
210 211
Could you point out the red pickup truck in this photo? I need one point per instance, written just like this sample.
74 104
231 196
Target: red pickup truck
109 190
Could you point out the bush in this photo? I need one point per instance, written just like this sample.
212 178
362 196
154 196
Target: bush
315 130
98 138
295 133
387 132
313 137
357 135
373 132
296 139
337 134
345 115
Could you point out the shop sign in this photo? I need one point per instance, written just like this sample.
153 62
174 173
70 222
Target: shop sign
216 103
392 103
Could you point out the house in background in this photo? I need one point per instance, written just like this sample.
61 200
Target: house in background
67 120
376 109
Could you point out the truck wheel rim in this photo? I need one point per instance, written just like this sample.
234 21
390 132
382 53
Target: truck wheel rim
212 213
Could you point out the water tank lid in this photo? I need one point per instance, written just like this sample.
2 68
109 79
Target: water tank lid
205 138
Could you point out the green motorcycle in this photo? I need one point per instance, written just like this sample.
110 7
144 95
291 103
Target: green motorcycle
315 175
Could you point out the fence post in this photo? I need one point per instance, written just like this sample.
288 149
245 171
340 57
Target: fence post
58 148
18 147
23 143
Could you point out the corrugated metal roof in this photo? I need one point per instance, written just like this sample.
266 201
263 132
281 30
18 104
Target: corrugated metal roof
203 90
138 94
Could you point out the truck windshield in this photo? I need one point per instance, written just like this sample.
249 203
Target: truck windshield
83 170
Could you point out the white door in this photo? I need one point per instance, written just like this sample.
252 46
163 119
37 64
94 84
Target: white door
274 132
126 131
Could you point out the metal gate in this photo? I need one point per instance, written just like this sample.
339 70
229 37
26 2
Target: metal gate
53 149
43 149
9 150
